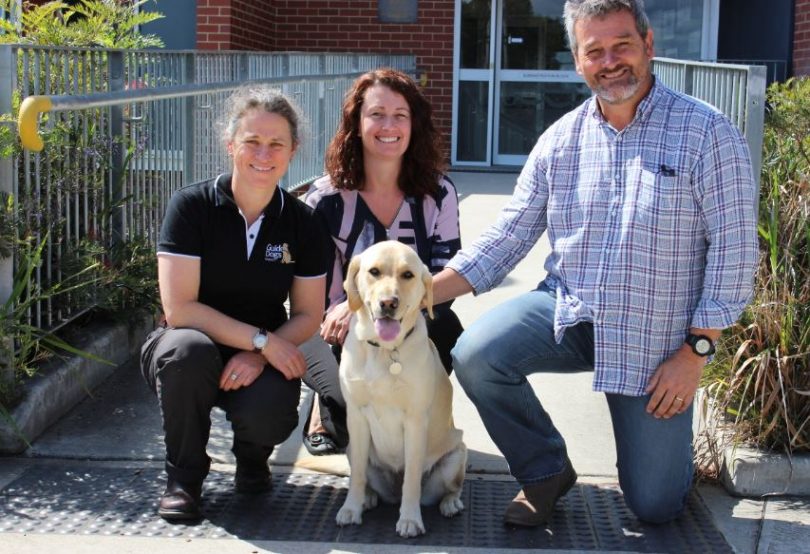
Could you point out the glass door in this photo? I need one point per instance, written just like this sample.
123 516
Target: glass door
474 53
514 74
535 79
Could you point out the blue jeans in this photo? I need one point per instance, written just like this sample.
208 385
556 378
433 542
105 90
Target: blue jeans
492 359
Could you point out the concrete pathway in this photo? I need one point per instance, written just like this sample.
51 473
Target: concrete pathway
119 429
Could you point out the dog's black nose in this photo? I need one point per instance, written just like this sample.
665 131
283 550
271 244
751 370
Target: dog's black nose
388 305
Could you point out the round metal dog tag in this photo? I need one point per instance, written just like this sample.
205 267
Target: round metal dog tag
395 368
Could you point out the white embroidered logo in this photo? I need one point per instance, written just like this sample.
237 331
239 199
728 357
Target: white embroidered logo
278 252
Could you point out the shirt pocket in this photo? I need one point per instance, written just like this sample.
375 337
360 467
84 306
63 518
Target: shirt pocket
660 198
663 219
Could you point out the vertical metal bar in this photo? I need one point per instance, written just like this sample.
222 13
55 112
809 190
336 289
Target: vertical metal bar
755 115
8 66
115 70
188 134
46 176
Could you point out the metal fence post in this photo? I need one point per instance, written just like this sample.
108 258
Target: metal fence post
115 70
688 79
244 67
755 115
189 103
8 79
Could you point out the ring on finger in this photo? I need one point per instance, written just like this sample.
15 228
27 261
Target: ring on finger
234 377
679 399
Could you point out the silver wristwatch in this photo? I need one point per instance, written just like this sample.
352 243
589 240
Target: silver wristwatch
260 340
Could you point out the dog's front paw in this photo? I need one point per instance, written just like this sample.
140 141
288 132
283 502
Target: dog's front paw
410 526
451 505
349 514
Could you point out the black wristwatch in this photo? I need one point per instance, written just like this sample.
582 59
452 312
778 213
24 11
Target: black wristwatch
701 344
259 340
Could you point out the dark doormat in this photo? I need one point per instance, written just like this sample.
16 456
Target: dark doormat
90 499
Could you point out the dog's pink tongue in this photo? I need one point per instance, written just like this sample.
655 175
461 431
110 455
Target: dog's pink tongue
386 328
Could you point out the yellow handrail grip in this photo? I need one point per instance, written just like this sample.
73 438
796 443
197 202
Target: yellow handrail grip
28 121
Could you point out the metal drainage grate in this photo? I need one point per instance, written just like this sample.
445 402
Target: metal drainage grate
81 499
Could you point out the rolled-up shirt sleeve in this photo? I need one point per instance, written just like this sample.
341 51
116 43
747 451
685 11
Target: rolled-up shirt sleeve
725 190
496 252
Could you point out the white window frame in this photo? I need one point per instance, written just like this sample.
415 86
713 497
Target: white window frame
471 74
709 32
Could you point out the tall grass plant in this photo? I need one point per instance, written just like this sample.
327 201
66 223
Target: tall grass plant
760 381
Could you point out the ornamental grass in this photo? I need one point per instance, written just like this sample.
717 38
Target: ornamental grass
759 383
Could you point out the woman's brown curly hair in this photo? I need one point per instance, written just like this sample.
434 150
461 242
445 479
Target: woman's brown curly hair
423 163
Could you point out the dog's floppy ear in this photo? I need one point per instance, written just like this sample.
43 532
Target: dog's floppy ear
350 285
427 299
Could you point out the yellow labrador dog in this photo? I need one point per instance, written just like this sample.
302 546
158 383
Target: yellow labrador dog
403 444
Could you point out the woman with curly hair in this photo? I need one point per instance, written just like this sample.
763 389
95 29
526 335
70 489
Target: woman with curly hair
384 182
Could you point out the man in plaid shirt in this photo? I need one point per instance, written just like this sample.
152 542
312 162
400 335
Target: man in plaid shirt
648 199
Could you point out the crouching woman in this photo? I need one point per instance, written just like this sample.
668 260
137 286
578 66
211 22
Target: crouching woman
232 250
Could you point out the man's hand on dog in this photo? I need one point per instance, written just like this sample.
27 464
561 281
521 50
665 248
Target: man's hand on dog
335 325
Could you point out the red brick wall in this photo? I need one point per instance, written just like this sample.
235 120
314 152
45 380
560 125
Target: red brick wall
352 26
338 26
801 38
235 25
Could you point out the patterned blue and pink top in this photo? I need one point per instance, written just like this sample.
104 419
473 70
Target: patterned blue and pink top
429 225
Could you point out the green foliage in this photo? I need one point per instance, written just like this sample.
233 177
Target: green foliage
7 229
125 277
761 381
24 343
116 278
90 23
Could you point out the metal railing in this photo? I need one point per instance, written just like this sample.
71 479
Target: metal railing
775 70
125 129
736 90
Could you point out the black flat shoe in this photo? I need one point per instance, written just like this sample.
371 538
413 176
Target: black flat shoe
320 444
252 481
180 502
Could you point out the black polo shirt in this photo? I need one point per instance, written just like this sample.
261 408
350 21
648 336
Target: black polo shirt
202 221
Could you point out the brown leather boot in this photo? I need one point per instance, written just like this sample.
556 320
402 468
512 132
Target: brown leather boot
534 504
180 502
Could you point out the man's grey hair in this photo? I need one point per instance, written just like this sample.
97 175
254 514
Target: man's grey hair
576 10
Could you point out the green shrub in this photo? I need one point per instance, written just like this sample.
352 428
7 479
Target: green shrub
118 278
89 23
761 378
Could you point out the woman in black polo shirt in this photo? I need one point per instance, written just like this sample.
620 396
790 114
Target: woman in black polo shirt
232 250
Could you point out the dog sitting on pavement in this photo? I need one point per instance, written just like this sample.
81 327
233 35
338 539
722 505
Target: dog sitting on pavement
403 445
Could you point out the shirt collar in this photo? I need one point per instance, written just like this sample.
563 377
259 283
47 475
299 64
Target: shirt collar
223 192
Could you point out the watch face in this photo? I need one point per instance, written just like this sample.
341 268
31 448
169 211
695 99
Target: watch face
702 346
259 341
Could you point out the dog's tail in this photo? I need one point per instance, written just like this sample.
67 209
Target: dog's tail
335 464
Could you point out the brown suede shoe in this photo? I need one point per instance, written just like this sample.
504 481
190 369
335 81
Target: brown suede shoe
180 502
534 504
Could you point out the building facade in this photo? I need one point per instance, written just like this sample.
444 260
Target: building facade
498 72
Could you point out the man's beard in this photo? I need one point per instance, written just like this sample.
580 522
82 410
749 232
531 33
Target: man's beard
618 92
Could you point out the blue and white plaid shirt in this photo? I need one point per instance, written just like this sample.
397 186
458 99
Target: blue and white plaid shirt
652 230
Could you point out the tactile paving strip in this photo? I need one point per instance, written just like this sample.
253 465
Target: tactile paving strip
77 499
